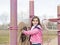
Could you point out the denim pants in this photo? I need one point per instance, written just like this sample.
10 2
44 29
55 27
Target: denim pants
36 44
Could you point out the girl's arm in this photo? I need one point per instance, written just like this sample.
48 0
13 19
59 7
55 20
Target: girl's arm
30 32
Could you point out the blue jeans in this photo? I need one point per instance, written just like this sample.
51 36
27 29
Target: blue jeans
36 44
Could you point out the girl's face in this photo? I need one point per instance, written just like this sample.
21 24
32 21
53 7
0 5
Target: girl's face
35 21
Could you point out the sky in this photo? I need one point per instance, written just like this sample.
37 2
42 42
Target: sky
42 8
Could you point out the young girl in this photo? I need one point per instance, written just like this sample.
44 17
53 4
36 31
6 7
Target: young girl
35 32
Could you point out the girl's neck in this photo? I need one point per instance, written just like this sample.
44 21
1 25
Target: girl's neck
34 25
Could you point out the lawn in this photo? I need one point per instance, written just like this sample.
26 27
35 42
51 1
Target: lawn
4 36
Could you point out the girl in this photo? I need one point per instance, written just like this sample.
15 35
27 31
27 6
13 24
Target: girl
35 32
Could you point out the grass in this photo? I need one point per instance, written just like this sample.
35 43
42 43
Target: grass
4 36
4 39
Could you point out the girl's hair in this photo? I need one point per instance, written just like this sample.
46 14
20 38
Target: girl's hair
38 21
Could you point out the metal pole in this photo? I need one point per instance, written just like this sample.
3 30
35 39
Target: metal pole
31 9
58 13
13 22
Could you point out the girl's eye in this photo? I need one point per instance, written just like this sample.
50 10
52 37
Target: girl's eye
36 20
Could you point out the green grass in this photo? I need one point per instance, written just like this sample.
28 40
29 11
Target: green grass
4 37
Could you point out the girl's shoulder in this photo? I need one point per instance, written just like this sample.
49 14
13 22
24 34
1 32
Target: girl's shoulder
38 27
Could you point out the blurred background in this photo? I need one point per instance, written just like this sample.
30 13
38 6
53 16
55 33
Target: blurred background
44 9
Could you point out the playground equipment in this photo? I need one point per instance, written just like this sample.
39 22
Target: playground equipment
13 20
49 34
58 23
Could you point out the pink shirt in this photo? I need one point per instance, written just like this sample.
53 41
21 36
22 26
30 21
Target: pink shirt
36 35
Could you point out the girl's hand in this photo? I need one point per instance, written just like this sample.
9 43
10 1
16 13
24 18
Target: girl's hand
23 31
28 28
